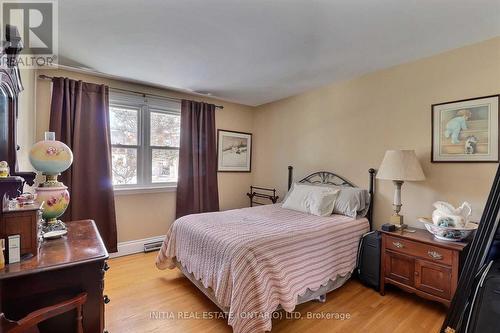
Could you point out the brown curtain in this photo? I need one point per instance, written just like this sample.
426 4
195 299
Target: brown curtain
197 190
80 118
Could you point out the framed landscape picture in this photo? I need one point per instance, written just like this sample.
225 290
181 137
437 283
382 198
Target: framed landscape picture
466 130
234 151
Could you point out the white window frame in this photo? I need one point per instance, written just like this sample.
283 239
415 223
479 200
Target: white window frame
145 105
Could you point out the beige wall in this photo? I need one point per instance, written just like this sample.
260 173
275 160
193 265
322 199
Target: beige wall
150 214
344 127
347 127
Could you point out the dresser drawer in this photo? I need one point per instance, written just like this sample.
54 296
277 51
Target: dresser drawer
422 250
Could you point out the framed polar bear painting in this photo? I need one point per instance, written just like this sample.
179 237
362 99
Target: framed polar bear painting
234 151
466 130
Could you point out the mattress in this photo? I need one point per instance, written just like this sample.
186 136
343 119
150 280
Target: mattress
257 259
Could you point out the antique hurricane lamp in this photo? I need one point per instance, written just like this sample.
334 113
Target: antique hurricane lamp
51 157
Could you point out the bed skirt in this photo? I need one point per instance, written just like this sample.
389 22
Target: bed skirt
309 295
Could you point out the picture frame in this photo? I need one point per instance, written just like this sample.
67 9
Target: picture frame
466 131
234 151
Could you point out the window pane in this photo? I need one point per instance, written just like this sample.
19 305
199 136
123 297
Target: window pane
165 164
165 129
124 163
124 125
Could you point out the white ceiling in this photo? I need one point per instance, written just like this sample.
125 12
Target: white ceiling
257 51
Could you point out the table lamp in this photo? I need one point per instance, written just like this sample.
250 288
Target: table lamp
400 166
52 157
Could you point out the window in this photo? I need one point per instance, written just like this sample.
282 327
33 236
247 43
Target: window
145 134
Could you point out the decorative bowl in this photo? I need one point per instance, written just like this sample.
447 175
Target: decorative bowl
449 234
50 157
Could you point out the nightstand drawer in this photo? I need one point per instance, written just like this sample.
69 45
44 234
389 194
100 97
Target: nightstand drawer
422 250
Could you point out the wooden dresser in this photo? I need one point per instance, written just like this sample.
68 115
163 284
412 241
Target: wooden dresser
419 263
62 269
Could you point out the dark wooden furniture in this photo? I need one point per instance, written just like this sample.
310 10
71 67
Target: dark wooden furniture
419 263
10 88
11 187
63 269
31 321
261 193
23 221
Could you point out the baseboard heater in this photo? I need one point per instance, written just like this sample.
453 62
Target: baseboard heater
154 246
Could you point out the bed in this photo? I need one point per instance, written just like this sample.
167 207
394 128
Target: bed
253 261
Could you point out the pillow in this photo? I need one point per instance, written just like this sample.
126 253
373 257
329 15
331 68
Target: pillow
289 191
351 201
311 199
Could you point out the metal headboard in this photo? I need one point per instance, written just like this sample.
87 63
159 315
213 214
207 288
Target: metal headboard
330 178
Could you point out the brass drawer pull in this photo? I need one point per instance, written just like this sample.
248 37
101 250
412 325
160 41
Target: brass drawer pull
398 245
435 255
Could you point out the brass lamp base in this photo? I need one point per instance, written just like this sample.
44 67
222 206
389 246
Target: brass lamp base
397 220
53 225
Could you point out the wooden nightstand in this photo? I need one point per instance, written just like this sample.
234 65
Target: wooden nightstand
419 263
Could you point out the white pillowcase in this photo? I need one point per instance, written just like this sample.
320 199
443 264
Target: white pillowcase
312 199
351 201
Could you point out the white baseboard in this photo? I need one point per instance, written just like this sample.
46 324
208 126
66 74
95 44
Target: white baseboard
134 246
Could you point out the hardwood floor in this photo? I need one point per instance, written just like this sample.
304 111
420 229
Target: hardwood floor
143 299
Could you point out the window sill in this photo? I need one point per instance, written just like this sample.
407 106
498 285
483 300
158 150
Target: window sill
144 190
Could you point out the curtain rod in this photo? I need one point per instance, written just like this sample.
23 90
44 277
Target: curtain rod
49 78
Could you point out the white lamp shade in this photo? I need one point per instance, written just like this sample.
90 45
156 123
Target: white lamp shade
400 165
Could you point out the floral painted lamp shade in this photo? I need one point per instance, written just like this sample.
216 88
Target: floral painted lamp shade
51 157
